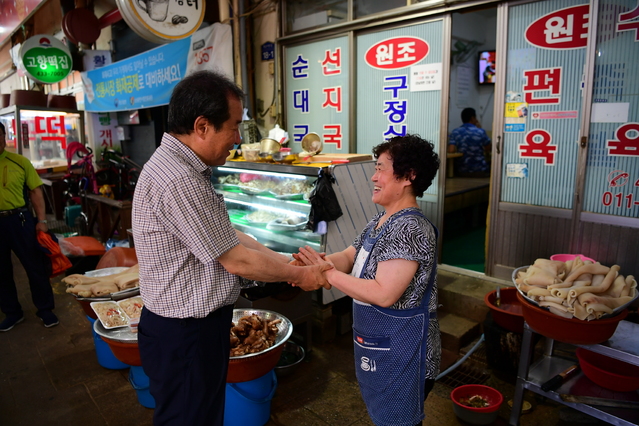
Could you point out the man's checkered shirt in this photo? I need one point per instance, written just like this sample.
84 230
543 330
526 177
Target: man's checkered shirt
180 228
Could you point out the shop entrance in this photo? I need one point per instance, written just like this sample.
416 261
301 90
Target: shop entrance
467 193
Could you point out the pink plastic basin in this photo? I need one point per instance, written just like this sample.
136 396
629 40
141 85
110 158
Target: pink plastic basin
567 257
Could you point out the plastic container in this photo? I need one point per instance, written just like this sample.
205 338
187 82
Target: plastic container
609 373
249 403
129 353
567 257
569 330
509 313
105 356
479 415
140 382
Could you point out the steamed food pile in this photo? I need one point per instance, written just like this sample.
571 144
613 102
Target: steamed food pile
83 286
579 289
252 334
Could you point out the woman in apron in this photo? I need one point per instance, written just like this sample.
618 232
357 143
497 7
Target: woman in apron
390 271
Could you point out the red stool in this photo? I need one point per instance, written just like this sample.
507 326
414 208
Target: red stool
118 256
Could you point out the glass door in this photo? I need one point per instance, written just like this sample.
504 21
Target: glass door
401 74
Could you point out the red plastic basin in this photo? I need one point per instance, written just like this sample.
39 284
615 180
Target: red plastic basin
509 312
609 373
128 353
569 330
480 415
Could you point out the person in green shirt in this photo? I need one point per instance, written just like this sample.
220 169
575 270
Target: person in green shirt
18 227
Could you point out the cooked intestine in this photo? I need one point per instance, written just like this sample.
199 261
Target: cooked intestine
589 291
84 286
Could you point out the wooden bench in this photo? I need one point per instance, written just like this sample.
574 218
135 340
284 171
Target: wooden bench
465 192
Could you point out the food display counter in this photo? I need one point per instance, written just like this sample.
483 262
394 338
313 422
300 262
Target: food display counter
271 202
42 134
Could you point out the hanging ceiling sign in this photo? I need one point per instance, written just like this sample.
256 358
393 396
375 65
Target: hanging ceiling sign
162 21
141 81
148 79
46 59
562 29
397 52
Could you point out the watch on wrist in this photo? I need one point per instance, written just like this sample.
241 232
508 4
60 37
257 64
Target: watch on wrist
43 221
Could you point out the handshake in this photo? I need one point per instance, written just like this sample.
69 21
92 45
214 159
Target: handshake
314 276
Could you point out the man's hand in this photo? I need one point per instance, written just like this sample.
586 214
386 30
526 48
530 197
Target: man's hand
41 227
317 265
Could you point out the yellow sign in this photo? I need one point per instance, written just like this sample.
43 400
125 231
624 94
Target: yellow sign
516 109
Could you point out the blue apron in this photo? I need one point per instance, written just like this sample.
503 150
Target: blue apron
390 349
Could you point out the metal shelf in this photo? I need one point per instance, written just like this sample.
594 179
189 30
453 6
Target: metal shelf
623 345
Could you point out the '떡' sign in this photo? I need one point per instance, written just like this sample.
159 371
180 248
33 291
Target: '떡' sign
46 59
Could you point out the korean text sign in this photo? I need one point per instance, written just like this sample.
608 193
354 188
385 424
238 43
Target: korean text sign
141 81
317 93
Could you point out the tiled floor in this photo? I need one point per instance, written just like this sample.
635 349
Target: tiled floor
52 377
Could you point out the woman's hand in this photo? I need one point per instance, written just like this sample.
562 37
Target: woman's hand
311 257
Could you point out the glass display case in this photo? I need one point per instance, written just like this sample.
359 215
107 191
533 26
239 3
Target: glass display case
271 202
42 134
271 205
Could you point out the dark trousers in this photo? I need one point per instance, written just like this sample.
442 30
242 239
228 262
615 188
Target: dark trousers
18 234
187 362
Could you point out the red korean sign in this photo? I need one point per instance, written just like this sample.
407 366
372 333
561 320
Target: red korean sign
395 53
562 29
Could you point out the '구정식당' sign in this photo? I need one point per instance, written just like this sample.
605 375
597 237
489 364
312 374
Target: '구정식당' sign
46 59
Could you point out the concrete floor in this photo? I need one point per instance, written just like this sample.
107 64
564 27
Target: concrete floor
52 377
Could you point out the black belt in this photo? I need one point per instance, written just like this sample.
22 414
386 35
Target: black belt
5 213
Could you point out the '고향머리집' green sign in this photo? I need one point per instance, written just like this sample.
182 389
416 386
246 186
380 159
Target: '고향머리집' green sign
46 59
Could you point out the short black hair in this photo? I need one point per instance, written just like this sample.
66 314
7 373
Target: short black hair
413 158
203 93
467 114
3 129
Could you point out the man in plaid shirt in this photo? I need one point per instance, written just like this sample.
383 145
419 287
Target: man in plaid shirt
190 256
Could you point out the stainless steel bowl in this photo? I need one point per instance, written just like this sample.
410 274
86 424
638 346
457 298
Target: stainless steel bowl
285 328
269 146
292 355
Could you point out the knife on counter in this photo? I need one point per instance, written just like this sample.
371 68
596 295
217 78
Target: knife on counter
556 381
591 400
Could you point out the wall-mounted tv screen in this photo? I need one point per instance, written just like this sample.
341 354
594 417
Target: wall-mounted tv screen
487 67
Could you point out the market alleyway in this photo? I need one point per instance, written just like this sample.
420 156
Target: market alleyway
52 377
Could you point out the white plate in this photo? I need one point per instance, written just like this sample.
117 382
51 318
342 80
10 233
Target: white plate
277 225
105 272
253 191
288 196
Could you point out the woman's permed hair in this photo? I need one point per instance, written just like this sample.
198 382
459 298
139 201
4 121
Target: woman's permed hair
413 158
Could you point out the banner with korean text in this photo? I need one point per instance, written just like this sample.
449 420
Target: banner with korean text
148 79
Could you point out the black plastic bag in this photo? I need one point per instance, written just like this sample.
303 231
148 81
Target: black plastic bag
324 204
